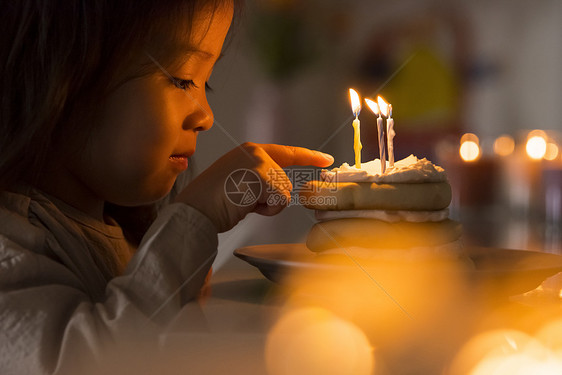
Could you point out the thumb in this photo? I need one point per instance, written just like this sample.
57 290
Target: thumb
292 155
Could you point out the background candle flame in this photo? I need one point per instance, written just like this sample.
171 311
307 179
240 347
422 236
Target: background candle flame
372 106
536 144
355 102
470 147
383 106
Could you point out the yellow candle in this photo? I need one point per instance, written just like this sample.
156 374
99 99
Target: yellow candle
356 108
357 146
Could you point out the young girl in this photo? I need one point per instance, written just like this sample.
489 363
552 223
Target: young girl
101 105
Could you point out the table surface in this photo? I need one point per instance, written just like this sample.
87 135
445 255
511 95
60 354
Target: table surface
227 331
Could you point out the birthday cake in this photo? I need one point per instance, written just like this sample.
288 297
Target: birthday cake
401 213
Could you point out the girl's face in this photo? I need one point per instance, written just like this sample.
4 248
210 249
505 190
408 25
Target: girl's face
148 127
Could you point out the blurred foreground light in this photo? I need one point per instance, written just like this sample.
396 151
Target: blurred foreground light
551 151
504 145
536 144
315 341
470 148
494 352
551 335
519 364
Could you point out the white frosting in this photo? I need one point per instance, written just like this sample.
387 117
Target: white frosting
408 170
384 215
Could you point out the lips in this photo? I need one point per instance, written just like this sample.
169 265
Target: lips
180 161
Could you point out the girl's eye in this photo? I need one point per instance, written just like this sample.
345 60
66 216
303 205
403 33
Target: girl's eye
183 84
186 84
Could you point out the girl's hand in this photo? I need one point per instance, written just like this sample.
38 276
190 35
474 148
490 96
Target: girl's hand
241 169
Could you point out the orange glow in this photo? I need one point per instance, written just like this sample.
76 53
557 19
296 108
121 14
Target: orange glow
552 151
355 102
314 340
382 105
470 148
504 145
536 144
496 352
373 106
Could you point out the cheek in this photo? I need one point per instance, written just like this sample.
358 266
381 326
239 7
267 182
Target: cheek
140 127
143 126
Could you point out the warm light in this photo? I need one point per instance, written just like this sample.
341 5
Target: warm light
550 335
536 145
355 102
470 149
383 106
373 106
551 152
487 352
504 145
316 341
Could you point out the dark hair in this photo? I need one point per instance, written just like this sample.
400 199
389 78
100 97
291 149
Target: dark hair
59 57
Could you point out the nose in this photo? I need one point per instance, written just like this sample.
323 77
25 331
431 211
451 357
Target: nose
202 119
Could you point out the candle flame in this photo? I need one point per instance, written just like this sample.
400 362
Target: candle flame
355 102
383 106
373 106
470 147
536 145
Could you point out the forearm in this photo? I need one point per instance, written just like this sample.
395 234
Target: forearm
50 325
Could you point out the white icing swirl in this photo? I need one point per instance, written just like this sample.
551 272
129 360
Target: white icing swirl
408 170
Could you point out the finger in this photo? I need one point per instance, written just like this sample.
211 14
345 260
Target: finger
277 193
274 203
293 155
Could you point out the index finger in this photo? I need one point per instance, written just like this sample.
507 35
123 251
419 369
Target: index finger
292 155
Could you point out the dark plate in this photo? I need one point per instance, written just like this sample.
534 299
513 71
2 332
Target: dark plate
509 271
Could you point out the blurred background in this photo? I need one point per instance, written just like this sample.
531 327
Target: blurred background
484 73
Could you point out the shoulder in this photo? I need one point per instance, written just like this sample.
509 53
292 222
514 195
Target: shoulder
15 223
20 268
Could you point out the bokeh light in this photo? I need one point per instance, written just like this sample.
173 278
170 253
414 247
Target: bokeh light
470 147
536 144
551 152
504 145
313 340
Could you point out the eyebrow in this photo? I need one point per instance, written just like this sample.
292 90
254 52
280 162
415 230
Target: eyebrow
204 54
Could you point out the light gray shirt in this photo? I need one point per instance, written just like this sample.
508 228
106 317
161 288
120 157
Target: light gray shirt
61 305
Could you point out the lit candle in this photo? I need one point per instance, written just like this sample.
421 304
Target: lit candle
390 133
383 106
380 127
536 145
469 149
356 108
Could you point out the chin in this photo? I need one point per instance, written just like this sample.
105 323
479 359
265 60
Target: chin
141 197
